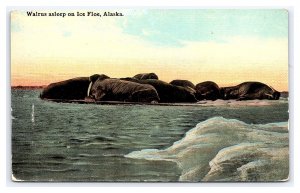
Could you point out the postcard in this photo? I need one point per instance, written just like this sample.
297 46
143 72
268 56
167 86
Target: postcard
149 95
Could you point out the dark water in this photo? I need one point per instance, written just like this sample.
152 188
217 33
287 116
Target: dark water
86 142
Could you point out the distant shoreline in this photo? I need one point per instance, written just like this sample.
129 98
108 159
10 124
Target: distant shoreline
284 94
28 87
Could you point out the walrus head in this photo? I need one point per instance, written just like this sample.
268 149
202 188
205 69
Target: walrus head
224 93
152 76
276 95
93 79
273 95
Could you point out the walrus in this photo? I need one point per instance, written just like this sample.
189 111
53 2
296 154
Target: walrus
183 83
169 93
120 90
145 76
249 91
71 89
207 90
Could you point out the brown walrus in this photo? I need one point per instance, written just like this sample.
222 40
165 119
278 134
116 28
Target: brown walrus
121 90
250 91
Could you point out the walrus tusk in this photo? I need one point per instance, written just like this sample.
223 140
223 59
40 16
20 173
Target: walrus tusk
269 95
89 88
206 93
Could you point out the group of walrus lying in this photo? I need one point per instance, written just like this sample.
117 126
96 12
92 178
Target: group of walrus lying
148 88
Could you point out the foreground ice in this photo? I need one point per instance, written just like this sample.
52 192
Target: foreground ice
220 149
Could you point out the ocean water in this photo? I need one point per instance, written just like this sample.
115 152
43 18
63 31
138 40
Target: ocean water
210 141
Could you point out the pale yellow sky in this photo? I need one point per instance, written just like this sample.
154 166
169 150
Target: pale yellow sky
49 49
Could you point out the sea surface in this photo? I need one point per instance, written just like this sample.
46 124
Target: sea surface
210 141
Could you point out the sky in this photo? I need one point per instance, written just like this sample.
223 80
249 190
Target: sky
224 46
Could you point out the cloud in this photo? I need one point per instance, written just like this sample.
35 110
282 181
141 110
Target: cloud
205 25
